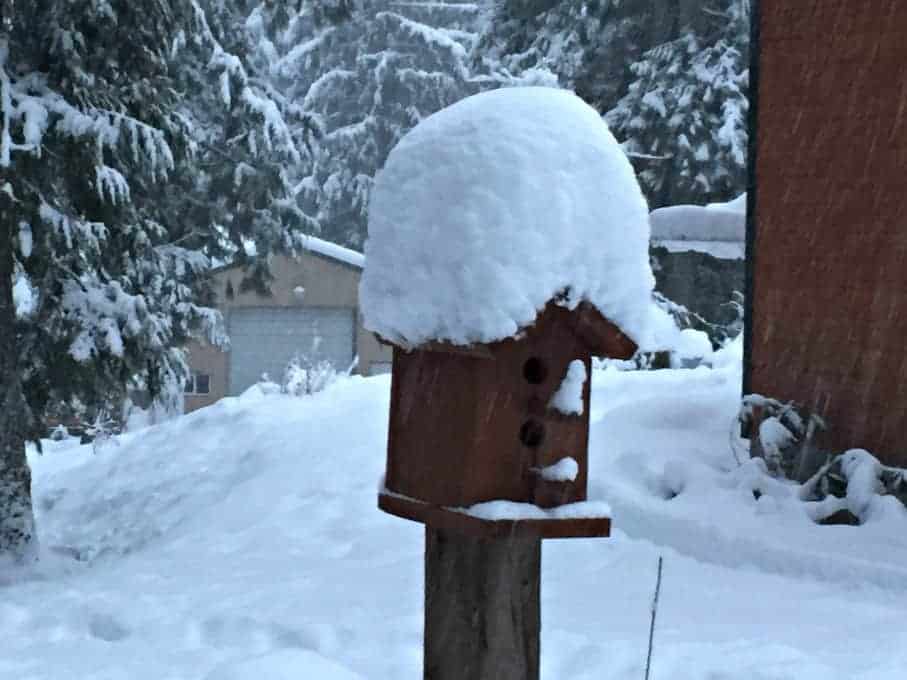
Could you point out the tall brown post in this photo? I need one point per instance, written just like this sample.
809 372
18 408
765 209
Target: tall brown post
482 606
828 217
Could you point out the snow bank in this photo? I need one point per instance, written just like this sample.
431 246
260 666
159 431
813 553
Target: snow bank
665 452
737 205
490 208
692 345
242 542
286 664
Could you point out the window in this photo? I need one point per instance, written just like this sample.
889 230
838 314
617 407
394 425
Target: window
198 383
202 383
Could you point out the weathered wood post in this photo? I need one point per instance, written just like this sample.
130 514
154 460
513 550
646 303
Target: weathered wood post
501 258
482 607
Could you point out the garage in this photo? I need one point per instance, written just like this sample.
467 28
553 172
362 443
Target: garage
265 339
310 307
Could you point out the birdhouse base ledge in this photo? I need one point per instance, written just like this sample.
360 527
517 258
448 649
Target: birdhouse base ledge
460 520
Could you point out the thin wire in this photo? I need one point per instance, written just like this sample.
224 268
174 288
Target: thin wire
652 623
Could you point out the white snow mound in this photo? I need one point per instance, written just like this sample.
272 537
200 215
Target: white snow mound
490 208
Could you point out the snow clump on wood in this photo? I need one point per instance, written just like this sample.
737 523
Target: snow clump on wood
569 397
494 206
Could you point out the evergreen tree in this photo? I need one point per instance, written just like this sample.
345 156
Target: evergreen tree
369 80
585 45
250 145
671 77
106 137
686 110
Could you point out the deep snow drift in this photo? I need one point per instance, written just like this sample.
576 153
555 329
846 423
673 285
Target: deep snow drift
242 542
492 207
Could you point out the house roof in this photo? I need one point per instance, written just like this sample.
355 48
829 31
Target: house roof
698 223
317 246
334 251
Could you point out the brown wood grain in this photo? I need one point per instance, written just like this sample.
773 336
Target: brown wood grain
466 429
482 607
829 297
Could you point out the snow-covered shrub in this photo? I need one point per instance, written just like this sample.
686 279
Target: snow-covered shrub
692 343
718 333
852 488
304 375
845 488
103 430
264 386
735 328
59 433
781 435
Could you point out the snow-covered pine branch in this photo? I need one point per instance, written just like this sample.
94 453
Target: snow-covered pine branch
28 105
370 79
233 75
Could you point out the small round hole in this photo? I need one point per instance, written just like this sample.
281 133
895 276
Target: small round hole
534 371
532 433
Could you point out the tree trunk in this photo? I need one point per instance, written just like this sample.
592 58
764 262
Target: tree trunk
16 519
482 609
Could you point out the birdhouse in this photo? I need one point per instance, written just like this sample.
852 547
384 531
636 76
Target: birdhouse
505 421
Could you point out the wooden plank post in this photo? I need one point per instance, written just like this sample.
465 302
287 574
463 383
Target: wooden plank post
482 606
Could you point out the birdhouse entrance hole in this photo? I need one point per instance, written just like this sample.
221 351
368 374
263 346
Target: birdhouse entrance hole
534 371
532 433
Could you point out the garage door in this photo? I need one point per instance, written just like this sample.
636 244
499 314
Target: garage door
265 339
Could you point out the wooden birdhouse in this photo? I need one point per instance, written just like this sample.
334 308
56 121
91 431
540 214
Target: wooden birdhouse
506 421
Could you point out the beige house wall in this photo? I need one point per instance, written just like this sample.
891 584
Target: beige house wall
326 283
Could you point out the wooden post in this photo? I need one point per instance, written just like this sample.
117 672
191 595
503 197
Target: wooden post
482 607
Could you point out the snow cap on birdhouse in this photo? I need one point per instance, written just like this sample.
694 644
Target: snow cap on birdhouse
497 205
508 244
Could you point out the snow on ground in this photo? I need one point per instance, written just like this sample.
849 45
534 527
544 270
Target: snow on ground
494 206
242 542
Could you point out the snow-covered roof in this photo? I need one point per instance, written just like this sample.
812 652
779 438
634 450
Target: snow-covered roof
314 245
335 252
492 207
718 229
714 222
